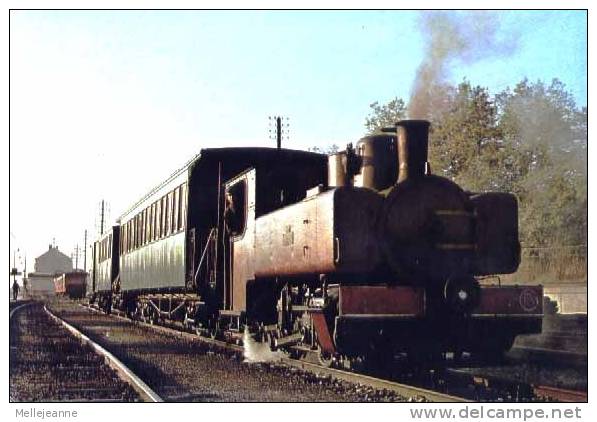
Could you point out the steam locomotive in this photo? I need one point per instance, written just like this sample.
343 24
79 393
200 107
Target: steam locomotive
363 253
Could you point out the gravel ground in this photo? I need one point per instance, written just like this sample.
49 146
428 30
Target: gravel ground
180 369
48 364
536 374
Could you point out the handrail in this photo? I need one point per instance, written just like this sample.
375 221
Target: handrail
211 232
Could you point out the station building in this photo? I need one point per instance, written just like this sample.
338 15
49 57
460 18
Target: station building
48 265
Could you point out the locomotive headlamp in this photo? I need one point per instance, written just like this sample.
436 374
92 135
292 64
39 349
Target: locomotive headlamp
461 294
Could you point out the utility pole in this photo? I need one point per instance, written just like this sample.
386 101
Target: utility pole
102 219
85 256
279 131
76 257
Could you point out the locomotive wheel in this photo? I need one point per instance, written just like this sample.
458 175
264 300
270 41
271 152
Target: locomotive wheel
325 359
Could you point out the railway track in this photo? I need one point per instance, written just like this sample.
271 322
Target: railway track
452 385
123 372
367 388
49 363
560 394
413 393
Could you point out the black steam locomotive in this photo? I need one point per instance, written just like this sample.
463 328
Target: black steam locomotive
362 253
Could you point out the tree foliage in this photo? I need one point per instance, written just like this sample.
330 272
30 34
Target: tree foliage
530 140
385 115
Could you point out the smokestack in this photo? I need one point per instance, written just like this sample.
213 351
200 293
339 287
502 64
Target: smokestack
413 141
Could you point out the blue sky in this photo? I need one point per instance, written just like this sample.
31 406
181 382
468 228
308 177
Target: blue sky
144 91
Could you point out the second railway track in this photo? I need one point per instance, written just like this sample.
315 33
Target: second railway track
47 363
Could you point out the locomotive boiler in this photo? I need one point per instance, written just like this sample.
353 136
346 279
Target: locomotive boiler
364 253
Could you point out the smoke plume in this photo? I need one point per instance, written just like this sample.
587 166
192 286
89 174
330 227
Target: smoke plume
451 38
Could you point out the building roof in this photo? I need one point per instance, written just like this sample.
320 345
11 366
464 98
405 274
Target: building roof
53 261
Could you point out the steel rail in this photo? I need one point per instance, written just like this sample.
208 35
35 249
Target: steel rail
14 310
355 378
378 383
121 369
561 394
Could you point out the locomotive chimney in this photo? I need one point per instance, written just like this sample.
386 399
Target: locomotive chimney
413 140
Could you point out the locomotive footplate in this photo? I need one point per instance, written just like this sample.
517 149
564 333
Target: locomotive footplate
394 319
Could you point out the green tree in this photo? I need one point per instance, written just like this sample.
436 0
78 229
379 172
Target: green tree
465 142
384 115
547 137
531 140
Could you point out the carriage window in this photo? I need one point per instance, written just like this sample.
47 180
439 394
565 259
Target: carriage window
134 233
156 210
166 216
183 205
140 229
143 231
137 231
168 213
156 228
152 223
162 217
180 205
175 195
146 235
235 212
145 226
149 220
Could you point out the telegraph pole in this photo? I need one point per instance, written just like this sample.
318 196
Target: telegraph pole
85 256
102 219
279 131
76 257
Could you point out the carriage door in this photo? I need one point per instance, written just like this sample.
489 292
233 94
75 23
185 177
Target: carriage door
191 259
239 217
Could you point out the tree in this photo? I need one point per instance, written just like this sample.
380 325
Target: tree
547 135
464 140
385 115
531 141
